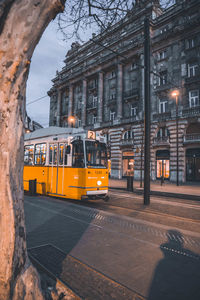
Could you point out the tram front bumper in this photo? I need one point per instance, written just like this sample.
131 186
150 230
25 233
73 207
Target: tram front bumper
99 192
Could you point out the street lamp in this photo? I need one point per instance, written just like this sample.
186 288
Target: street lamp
175 95
71 121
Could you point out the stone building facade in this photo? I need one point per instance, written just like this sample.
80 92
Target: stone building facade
102 88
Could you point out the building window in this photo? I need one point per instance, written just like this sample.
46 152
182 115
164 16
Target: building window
192 70
164 29
94 101
79 106
133 110
112 96
190 43
133 66
162 132
79 123
162 55
112 115
163 78
113 74
128 135
79 88
163 106
94 119
193 98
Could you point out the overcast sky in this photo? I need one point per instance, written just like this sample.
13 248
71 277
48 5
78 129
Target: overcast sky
47 58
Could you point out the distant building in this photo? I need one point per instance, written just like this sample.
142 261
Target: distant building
104 90
31 125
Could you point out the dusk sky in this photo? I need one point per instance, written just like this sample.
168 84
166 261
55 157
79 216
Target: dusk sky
47 58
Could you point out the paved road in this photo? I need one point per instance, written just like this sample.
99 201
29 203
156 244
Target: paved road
155 260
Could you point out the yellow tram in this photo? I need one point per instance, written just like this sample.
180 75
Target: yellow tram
66 162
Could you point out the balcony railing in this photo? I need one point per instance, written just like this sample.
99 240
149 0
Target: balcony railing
127 142
131 93
129 119
92 86
191 111
92 105
162 117
161 140
192 138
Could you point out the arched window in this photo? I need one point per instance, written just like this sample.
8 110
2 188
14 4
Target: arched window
128 135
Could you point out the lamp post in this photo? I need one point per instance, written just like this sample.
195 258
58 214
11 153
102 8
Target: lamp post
175 95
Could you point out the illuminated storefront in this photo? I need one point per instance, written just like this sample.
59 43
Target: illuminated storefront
162 164
128 164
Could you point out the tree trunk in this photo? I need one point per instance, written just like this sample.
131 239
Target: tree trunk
22 23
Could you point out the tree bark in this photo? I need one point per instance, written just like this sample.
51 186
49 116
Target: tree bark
22 23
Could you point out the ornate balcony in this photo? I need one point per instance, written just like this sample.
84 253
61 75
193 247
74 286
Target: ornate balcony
133 93
161 140
92 105
162 117
132 119
126 142
191 111
192 138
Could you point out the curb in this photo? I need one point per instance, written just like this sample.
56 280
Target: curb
162 194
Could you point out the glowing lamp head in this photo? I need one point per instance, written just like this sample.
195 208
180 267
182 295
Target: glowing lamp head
71 119
175 93
99 182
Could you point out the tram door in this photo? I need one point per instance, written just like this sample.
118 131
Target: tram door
53 169
58 160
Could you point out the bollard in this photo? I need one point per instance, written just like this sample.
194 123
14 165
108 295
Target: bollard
130 183
32 187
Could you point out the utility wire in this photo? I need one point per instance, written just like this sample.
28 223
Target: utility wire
36 100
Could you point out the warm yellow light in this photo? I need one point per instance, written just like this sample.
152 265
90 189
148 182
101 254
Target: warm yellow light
175 93
71 119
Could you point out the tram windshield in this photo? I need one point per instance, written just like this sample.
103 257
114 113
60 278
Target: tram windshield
96 154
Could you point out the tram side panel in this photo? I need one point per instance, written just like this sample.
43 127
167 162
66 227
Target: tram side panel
71 182
40 173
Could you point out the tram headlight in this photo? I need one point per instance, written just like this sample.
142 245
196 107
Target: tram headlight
99 182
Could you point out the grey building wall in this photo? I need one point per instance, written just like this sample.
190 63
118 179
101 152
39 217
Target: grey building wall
105 91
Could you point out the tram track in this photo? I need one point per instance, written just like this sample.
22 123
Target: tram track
137 210
148 210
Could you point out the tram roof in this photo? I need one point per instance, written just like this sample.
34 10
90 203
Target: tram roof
52 131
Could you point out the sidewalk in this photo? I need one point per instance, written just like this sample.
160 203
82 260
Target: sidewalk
168 188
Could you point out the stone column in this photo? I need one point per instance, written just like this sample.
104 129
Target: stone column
84 102
70 105
119 90
58 117
100 97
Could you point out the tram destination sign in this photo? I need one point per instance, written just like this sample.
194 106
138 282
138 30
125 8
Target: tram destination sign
91 135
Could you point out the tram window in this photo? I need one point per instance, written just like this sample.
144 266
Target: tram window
28 154
67 151
40 154
53 151
78 155
96 154
61 154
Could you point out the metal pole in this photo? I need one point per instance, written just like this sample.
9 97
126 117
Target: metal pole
177 158
146 112
141 157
